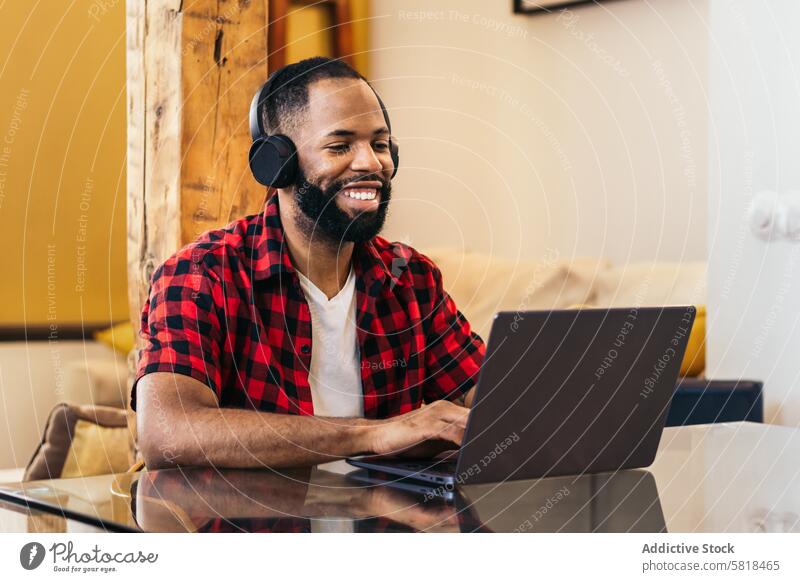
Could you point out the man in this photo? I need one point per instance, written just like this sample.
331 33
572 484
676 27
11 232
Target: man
299 336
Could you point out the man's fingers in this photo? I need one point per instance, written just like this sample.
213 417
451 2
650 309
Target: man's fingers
450 432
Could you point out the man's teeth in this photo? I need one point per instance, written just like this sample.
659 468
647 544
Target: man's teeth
361 194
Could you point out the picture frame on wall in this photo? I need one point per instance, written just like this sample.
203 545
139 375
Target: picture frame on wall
545 6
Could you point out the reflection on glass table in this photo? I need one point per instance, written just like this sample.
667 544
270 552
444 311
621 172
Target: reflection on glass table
737 477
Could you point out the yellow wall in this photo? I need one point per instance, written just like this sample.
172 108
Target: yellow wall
62 155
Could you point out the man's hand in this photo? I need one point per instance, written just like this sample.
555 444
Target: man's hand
440 423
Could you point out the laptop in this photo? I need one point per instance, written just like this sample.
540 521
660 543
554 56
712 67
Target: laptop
563 392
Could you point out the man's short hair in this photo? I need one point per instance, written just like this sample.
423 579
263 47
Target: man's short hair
288 98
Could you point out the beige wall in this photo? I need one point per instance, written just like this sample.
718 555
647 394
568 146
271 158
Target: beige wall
584 132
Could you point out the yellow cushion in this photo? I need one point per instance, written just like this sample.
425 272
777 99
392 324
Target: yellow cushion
694 362
96 450
119 337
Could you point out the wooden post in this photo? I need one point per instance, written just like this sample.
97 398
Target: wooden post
192 69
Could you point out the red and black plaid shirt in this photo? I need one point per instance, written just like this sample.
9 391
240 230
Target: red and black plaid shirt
228 310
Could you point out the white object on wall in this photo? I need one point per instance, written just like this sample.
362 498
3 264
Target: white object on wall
775 216
765 216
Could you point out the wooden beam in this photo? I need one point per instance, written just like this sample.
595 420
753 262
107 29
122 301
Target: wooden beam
225 61
192 69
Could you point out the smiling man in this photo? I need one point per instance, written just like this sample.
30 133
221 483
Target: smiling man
299 336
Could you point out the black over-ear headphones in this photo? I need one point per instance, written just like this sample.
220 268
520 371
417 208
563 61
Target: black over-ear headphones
273 158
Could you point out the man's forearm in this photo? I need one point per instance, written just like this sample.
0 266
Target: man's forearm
226 437
180 422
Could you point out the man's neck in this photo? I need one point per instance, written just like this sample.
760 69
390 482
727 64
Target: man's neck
324 263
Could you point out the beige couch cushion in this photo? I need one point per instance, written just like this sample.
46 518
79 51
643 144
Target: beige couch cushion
482 285
652 285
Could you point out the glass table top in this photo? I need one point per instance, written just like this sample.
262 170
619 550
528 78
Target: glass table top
733 477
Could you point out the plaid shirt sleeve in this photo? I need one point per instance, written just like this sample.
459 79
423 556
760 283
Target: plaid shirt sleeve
182 324
454 353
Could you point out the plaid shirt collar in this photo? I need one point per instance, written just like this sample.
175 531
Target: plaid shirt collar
270 253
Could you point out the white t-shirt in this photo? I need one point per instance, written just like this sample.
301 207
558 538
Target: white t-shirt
335 375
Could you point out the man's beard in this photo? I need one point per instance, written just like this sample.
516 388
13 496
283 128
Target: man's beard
322 218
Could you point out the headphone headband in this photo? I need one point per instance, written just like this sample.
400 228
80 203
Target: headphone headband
259 101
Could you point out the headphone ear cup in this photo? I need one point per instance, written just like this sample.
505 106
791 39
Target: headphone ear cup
273 161
394 151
